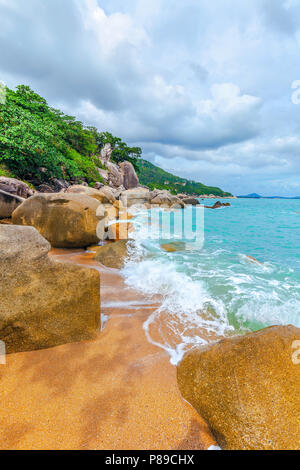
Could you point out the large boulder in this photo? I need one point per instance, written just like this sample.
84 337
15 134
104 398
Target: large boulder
106 153
137 196
43 303
163 198
104 195
8 203
113 255
15 187
191 201
115 175
65 220
247 388
130 179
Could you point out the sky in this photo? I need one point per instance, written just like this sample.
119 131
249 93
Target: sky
204 87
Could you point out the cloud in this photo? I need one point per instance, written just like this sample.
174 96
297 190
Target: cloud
203 87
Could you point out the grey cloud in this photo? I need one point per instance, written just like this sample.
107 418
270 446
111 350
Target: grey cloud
147 70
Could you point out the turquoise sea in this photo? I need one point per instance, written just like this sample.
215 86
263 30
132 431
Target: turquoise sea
216 289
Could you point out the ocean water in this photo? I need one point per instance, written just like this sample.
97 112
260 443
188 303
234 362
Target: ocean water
213 290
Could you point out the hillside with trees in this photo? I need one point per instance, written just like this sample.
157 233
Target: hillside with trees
39 143
154 177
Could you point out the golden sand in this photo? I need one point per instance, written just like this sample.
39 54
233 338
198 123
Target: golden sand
118 392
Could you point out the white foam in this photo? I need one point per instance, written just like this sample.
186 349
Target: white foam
201 290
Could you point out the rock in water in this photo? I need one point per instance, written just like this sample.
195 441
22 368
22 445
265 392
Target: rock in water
218 204
247 388
191 201
65 220
8 203
43 303
113 255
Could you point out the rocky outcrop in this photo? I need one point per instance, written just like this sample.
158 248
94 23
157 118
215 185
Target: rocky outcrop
8 203
43 303
65 220
165 199
218 204
115 175
104 195
104 174
137 196
173 247
190 201
15 187
106 153
247 388
130 179
113 255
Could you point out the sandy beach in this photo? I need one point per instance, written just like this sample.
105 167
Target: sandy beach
118 392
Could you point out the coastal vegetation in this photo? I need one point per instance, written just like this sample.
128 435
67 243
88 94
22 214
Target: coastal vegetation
155 177
39 143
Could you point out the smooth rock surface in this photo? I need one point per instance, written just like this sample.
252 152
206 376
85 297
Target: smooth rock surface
65 220
43 303
247 388
113 255
130 179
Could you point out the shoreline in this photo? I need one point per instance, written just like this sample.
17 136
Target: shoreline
99 394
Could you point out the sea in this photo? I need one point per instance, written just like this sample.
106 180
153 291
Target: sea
239 273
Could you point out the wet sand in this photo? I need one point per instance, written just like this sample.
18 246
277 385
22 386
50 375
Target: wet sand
118 392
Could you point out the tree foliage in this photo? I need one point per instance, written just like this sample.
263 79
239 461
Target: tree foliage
39 143
155 177
121 151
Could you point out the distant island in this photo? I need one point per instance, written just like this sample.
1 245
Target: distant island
258 196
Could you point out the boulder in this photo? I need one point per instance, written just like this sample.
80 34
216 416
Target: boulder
59 185
99 185
173 247
218 204
130 179
165 199
43 303
104 195
136 196
113 255
115 175
65 220
103 174
45 189
190 201
15 187
107 195
247 388
8 203
106 153
119 191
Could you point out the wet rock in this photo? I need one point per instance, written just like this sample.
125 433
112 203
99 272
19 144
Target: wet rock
113 255
190 201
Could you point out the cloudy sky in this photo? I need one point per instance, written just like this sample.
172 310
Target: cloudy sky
203 86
